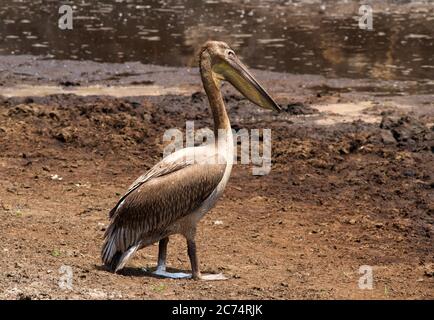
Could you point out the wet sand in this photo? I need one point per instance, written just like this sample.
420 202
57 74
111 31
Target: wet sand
351 184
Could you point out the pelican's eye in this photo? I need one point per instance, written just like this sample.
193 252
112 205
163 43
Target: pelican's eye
231 53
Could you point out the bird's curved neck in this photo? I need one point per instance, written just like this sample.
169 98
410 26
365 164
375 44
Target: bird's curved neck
211 86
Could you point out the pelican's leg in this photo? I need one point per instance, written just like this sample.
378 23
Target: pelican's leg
191 248
161 267
192 254
162 254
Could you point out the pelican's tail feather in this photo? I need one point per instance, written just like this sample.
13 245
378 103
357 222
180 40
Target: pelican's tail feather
117 250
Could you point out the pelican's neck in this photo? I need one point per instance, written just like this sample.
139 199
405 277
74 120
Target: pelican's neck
211 86
222 127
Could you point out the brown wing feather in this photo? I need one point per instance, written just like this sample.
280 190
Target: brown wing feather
157 171
158 202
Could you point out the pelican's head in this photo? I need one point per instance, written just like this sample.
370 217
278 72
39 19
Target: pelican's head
225 65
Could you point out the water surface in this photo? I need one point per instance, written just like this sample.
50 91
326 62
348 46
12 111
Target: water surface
306 37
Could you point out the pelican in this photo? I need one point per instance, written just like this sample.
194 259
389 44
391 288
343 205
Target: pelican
176 193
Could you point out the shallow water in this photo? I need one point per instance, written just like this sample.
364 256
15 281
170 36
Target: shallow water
308 37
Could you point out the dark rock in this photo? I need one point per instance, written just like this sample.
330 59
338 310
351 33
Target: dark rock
429 270
299 109
409 173
408 131
387 137
197 97
233 100
68 83
142 82
64 135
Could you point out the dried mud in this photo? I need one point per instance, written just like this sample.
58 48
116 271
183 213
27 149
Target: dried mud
337 197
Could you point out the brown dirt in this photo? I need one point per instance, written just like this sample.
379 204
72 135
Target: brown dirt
337 197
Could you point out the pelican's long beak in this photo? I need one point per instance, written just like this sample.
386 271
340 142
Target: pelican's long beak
234 71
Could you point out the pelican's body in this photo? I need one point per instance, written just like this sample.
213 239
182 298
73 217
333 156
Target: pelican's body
176 193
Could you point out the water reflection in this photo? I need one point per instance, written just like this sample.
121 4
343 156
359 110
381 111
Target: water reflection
316 37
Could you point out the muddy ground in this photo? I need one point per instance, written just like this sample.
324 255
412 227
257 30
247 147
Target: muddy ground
339 195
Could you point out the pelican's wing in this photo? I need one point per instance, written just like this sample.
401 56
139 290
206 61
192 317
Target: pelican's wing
174 162
162 199
158 170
